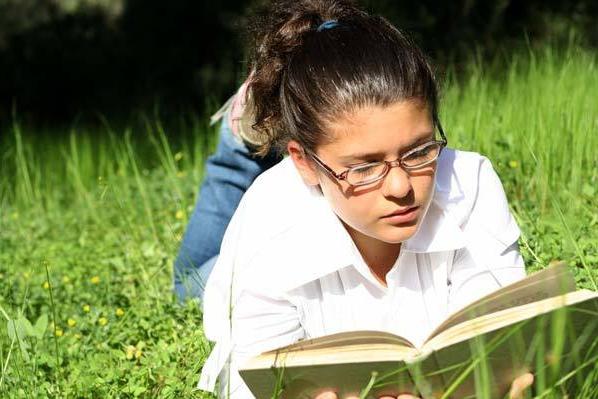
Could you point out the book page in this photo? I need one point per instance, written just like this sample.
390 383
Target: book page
349 346
347 379
346 339
504 340
549 282
557 333
495 321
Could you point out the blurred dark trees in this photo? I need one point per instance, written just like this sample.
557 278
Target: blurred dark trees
67 59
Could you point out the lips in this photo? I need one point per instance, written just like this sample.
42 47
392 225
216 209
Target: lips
403 211
402 216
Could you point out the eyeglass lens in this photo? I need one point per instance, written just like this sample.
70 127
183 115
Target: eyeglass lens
374 171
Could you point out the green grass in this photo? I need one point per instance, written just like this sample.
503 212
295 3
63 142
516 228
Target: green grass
90 224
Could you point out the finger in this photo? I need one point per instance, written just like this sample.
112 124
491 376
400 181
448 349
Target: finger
327 395
520 384
380 397
407 396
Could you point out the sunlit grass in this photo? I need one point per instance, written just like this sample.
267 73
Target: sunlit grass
104 213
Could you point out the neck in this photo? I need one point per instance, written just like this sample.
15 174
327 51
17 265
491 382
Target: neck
380 256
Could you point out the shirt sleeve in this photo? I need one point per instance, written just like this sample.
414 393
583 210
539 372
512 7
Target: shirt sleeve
259 323
491 258
242 319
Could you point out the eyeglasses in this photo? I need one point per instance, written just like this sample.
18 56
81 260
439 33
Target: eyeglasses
371 172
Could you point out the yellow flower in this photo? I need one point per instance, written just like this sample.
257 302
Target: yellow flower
102 321
513 164
59 332
95 280
120 312
138 353
179 214
71 322
46 285
86 308
130 352
178 156
66 279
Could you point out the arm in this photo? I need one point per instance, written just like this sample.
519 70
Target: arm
242 319
260 323
492 258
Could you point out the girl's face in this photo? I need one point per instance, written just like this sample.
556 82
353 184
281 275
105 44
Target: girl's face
389 210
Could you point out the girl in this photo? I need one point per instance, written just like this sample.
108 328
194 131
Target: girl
371 222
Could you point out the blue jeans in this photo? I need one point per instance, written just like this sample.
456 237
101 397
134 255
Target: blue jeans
229 172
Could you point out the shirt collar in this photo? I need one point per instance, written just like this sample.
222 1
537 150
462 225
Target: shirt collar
440 230
327 247
324 246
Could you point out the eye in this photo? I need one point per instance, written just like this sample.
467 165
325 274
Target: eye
365 170
423 154
365 173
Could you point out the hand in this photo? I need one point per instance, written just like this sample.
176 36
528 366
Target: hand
333 395
518 387
520 384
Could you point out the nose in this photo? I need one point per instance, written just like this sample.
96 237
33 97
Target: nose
397 182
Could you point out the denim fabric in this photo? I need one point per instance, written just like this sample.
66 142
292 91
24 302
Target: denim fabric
229 172
193 283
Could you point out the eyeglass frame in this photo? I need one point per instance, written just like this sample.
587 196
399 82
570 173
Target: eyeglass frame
389 164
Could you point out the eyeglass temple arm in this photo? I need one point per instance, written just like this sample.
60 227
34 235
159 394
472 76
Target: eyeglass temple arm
323 165
441 132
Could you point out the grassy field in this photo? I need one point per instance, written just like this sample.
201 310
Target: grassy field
90 224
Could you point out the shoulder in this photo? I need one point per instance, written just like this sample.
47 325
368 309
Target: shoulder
276 201
469 189
458 175
465 180
277 217
256 235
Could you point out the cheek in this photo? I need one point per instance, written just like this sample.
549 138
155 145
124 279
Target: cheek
360 211
423 188
353 209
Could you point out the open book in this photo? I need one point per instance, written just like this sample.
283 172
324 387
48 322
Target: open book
539 324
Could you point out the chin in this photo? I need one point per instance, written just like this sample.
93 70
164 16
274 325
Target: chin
397 234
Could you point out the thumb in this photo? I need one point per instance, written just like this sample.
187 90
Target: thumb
520 384
327 395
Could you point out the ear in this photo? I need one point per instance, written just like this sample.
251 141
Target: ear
303 163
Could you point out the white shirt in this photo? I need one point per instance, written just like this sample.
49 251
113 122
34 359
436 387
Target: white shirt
288 270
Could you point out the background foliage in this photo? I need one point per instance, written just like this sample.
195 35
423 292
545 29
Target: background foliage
89 229
62 60
103 139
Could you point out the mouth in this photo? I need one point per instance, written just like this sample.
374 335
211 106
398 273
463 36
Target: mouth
404 215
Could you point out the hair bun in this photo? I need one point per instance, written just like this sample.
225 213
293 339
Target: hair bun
314 61
276 32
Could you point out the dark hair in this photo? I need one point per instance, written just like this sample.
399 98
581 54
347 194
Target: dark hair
303 78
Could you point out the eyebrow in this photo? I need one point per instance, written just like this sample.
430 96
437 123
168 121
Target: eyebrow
366 156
